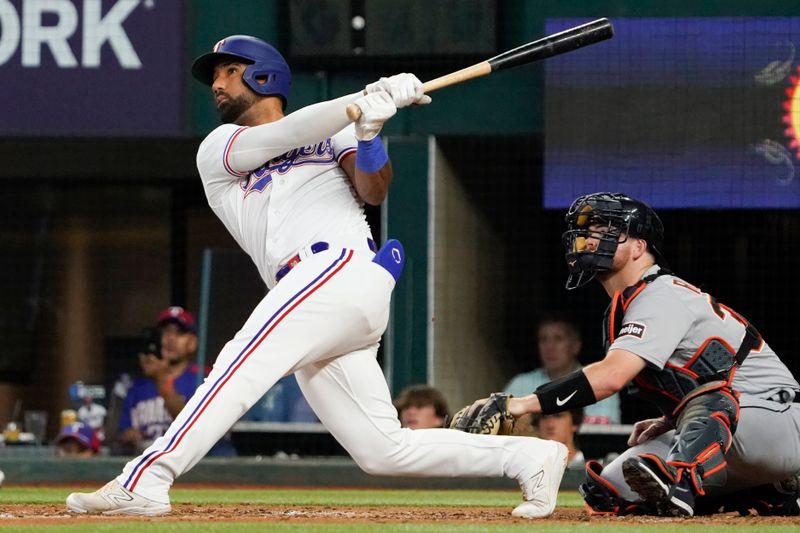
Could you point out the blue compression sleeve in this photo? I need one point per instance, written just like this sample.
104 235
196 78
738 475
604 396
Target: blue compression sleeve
370 156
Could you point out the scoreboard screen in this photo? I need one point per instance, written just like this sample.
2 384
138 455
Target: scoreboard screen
679 112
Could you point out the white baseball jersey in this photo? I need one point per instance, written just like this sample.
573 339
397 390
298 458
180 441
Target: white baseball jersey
666 323
670 319
323 320
291 201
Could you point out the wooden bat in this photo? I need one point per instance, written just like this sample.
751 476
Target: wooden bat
552 45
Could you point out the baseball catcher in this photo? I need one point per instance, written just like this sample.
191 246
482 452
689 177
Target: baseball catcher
725 395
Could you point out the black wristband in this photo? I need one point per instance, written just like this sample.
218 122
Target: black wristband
569 392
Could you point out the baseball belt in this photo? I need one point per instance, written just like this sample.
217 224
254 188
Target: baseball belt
315 248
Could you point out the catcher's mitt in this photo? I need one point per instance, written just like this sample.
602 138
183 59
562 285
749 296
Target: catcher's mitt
491 418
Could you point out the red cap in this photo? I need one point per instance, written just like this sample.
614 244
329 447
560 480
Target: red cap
81 433
177 315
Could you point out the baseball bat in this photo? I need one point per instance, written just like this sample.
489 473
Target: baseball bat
552 45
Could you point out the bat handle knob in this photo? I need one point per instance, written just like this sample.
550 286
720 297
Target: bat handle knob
353 112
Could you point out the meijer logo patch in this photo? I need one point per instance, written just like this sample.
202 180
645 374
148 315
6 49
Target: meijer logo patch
632 328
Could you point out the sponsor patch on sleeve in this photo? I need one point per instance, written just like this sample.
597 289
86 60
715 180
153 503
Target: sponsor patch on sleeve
633 329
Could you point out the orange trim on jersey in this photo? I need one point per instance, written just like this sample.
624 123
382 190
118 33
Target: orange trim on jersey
627 301
734 314
612 334
686 285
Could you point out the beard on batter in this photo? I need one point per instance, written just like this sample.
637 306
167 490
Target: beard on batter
233 108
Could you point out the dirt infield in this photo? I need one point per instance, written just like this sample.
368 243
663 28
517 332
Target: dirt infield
26 514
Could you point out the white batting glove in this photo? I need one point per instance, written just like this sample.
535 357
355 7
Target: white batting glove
406 89
376 108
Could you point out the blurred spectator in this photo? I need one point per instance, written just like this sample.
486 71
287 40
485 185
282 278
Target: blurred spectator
421 407
559 343
170 377
284 402
93 415
563 427
77 440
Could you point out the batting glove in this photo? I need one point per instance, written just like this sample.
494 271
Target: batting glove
406 89
376 108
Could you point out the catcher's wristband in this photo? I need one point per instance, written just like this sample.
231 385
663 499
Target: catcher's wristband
370 156
569 392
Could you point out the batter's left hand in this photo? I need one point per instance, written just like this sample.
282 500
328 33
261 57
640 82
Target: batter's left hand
376 108
406 89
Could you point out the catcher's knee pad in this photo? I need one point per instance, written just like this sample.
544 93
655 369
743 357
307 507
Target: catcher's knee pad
704 431
601 496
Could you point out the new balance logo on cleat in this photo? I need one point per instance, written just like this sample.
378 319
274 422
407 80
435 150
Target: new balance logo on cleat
537 480
121 497
114 499
540 489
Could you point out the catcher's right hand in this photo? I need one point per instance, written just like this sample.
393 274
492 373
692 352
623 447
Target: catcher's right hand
490 418
646 430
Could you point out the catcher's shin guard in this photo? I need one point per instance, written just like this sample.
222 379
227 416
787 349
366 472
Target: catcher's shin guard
704 430
601 496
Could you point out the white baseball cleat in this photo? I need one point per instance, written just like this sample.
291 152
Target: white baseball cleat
540 490
115 499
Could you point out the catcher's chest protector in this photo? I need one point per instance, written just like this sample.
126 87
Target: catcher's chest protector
669 387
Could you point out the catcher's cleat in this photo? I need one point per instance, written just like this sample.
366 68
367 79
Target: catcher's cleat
541 483
787 499
654 481
114 499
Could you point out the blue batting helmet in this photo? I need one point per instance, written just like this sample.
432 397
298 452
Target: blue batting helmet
264 62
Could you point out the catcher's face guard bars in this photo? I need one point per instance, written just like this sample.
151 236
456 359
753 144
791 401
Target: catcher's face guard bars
595 230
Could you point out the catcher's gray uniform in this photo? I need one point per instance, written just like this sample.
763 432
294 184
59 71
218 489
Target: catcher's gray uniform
670 323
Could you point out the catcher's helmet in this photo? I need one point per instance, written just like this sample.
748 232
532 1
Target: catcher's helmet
263 60
622 215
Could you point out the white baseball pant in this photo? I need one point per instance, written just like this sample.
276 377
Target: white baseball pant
323 321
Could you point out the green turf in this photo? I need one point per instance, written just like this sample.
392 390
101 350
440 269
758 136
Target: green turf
462 498
455 498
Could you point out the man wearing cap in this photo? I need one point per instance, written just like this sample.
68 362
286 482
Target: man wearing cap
77 440
170 377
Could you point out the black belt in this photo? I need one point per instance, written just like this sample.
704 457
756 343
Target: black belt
315 248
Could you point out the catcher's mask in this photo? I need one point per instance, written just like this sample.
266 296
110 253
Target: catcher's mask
623 216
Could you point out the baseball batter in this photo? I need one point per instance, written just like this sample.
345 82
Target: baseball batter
291 189
731 407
